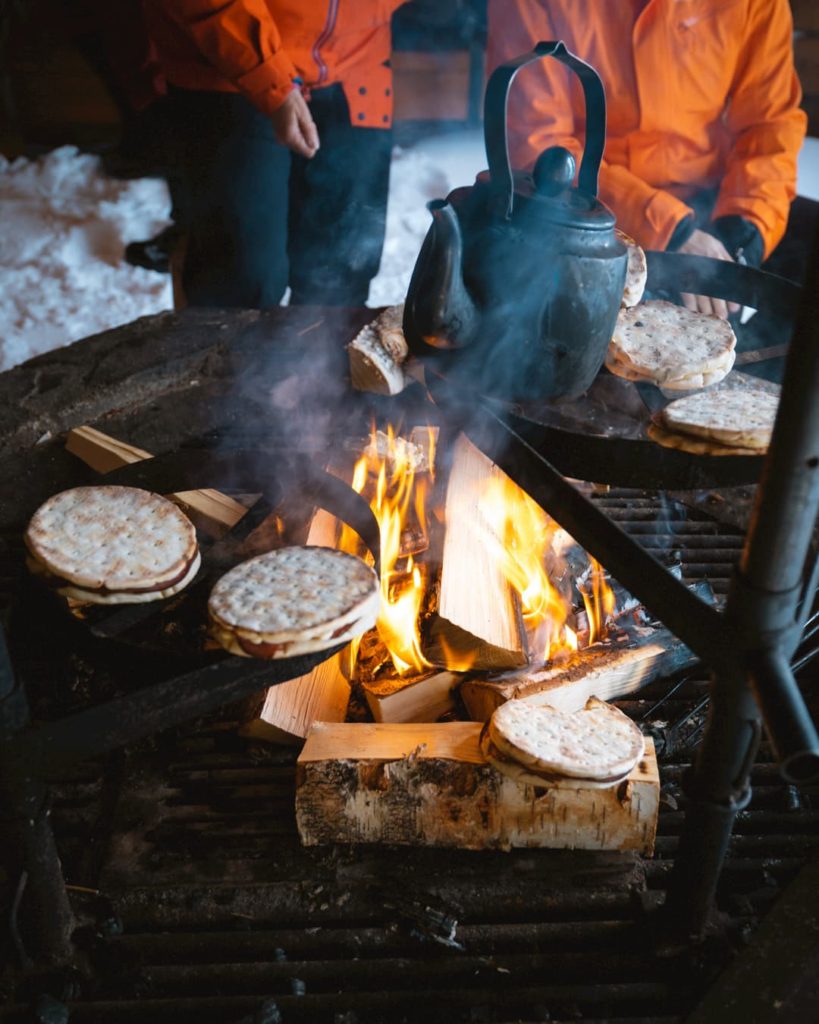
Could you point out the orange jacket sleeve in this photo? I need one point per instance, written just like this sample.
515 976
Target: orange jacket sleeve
768 126
540 114
241 40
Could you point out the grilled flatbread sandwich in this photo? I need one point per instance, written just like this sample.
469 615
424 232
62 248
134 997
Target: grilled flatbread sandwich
636 273
739 416
539 745
671 346
296 600
112 545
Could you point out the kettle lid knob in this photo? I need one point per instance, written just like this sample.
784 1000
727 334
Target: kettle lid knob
554 171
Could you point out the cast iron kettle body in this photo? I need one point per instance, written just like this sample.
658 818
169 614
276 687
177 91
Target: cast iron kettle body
518 283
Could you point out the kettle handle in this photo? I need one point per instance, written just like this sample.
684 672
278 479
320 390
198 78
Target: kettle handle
494 118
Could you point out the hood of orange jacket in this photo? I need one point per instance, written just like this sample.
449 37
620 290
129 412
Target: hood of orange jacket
263 47
699 93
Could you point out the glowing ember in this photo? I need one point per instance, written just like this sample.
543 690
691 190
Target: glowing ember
397 489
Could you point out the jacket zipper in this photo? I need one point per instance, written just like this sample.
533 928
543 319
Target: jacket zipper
326 32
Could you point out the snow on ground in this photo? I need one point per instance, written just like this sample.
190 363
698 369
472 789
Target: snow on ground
62 275
65 226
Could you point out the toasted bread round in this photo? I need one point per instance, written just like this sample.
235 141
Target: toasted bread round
695 445
739 416
294 600
112 544
598 742
531 776
663 343
636 273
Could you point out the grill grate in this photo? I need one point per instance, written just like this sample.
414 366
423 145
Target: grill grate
192 839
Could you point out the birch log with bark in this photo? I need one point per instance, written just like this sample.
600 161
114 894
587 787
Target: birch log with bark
430 785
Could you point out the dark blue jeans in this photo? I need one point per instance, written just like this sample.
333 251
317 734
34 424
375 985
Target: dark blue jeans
259 218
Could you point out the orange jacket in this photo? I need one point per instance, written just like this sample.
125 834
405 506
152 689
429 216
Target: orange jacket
700 94
260 47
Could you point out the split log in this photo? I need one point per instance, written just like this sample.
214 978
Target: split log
430 785
291 708
213 512
377 353
478 619
423 698
606 671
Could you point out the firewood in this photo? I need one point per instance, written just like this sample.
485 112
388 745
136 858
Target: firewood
213 512
291 708
430 785
606 671
376 354
423 698
478 615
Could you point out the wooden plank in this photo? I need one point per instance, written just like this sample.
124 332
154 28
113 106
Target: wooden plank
213 512
606 671
430 785
478 616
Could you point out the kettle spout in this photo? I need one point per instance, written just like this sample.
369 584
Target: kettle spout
439 310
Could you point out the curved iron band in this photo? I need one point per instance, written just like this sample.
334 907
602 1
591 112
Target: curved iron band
48 749
494 118
722 279
254 470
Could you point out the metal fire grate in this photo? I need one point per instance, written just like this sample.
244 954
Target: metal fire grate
200 905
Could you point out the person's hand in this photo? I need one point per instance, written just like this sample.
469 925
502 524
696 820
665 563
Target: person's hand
701 243
294 127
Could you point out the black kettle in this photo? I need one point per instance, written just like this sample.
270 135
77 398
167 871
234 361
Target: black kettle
518 282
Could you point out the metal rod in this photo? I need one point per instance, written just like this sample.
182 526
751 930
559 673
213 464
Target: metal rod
42 916
51 748
792 732
696 623
763 607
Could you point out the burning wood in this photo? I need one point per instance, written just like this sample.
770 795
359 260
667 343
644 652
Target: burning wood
431 785
607 671
477 622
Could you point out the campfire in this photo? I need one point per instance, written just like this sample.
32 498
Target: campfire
524 550
484 598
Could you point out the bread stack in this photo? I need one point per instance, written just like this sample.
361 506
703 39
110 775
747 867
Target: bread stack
636 272
112 545
297 600
537 745
671 346
730 419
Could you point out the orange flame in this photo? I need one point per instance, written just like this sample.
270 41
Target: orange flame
520 533
598 597
402 586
